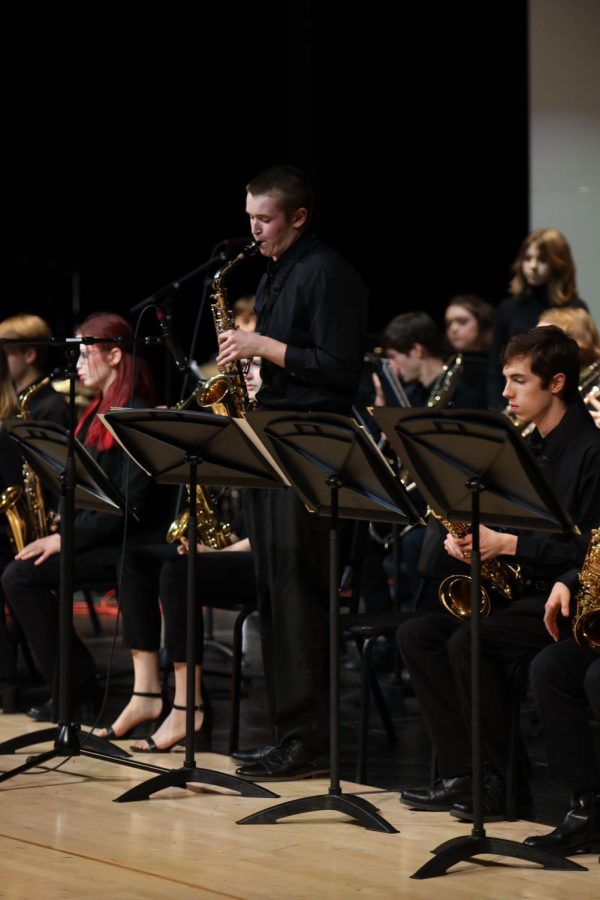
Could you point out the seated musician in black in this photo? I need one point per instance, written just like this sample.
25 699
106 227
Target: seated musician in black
31 580
541 368
27 366
413 343
565 678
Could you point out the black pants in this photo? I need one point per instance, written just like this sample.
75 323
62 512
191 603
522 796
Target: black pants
290 548
32 593
437 652
565 679
223 579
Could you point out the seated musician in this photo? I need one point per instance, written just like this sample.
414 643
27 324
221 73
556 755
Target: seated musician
413 343
27 365
219 573
566 681
31 580
541 369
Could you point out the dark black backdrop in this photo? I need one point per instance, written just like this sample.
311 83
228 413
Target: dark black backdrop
133 127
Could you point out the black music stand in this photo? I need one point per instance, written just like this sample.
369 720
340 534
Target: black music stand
66 469
474 467
338 471
178 447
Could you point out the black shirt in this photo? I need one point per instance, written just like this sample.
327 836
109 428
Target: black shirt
150 502
50 406
570 458
514 315
315 302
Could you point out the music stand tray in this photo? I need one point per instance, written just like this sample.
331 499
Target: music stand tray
338 472
474 466
185 446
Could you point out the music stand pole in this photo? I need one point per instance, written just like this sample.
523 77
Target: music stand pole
306 445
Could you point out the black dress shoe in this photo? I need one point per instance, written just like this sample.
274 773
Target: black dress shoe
85 708
441 796
248 756
493 802
286 763
579 830
41 712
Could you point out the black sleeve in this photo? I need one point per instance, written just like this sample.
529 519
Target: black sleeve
336 304
550 555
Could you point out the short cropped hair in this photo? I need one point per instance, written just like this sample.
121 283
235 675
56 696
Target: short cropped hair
408 329
550 351
29 328
293 188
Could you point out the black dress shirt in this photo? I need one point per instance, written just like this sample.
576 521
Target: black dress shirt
570 459
315 302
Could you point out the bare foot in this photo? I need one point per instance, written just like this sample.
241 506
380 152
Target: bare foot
171 731
138 710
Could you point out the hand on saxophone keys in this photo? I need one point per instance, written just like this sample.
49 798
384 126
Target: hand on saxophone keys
491 544
237 344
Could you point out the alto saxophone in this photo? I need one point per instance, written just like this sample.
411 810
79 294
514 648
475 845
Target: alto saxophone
24 507
586 624
499 579
226 395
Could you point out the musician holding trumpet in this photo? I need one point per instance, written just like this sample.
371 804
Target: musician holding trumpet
541 370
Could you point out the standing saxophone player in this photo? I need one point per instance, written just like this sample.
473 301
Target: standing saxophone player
311 309
565 678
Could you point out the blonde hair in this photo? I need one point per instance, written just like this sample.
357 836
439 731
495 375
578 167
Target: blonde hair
579 325
28 328
554 249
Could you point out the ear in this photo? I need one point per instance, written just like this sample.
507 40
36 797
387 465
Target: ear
115 355
300 217
557 384
30 356
417 350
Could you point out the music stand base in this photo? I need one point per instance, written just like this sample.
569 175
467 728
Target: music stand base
350 804
193 775
461 849
91 741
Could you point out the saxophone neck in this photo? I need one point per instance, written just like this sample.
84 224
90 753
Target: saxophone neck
221 275
25 397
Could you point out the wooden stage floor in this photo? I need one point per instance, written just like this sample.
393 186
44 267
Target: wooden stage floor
61 836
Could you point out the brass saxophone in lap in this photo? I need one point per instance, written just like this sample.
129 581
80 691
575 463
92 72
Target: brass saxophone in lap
586 624
24 506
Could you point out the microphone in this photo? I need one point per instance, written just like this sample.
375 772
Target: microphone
179 357
235 242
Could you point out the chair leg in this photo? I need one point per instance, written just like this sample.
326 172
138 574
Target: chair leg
96 626
236 679
370 685
517 685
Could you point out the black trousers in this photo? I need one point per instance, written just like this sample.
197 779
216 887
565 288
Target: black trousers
290 548
565 679
32 593
223 580
437 652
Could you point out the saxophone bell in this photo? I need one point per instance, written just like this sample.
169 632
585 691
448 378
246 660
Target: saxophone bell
586 624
